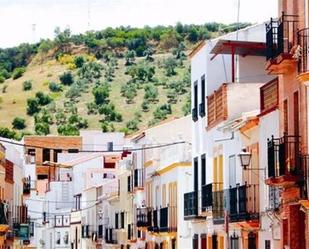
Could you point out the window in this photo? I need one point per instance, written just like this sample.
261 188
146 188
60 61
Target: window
203 241
46 155
116 221
234 240
58 238
203 169
269 96
73 150
285 116
56 152
122 220
42 177
66 238
195 103
296 114
77 201
110 146
267 244
202 104
129 184
195 241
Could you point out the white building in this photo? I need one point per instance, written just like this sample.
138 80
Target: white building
227 74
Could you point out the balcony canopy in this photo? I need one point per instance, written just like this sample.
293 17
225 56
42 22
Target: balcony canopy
242 48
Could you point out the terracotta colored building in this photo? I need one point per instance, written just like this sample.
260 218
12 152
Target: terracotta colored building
287 166
53 145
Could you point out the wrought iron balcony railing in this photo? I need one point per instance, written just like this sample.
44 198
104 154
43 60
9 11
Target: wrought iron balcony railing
191 204
110 236
281 35
206 197
302 50
244 202
164 220
144 217
284 158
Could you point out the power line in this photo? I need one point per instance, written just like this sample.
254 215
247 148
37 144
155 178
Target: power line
95 151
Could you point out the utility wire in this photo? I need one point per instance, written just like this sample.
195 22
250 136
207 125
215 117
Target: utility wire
96 151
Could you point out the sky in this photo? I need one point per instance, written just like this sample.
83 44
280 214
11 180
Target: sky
29 20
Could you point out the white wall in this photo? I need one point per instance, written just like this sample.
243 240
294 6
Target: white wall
269 125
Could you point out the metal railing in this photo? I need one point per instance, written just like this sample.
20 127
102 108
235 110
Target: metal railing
302 50
206 198
244 202
281 35
110 236
305 174
191 204
284 156
143 217
164 220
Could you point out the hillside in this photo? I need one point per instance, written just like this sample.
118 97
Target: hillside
116 80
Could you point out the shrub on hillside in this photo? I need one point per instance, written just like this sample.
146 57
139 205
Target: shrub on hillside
32 106
101 94
42 128
68 130
19 123
79 61
66 78
27 85
18 72
43 99
54 87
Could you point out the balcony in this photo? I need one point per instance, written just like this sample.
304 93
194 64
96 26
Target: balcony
206 197
143 217
301 54
110 236
155 221
164 220
284 161
244 203
212 200
194 114
191 205
281 37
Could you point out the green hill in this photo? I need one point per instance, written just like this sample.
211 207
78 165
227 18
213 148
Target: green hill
122 79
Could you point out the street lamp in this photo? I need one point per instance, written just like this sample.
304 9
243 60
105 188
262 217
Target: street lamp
245 158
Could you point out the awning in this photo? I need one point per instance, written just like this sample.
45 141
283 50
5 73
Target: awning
242 48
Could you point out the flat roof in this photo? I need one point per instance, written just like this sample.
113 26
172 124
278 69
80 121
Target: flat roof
243 48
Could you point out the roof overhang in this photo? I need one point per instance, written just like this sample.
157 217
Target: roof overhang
242 48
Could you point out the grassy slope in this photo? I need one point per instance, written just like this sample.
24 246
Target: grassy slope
14 101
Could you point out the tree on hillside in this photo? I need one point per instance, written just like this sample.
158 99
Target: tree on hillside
66 78
148 53
130 57
101 94
19 123
33 106
62 39
170 65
